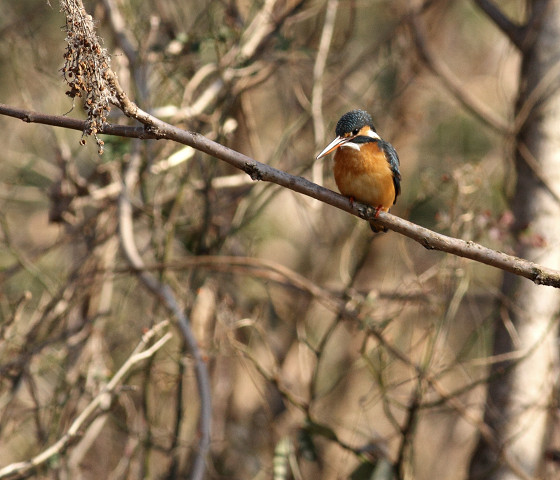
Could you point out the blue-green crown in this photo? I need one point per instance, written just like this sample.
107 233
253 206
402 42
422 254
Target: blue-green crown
356 119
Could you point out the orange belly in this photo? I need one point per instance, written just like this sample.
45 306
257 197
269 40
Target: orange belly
365 178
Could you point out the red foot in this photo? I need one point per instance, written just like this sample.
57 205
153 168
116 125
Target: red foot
374 227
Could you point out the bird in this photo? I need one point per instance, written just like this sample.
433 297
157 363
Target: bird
366 167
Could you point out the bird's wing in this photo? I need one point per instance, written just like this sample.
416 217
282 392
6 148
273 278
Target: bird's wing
394 163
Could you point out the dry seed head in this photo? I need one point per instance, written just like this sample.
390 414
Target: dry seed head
85 68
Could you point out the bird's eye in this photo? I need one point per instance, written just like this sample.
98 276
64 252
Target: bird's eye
355 131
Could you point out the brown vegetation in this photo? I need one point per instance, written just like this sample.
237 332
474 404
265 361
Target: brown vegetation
164 315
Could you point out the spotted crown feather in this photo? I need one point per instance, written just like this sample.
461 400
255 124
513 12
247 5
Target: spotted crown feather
352 120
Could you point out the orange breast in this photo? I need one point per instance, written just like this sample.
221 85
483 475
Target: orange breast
365 175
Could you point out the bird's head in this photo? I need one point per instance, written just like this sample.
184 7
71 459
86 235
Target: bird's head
351 125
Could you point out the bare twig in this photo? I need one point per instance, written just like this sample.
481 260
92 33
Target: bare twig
139 354
516 33
453 84
164 292
317 92
156 129
118 25
266 21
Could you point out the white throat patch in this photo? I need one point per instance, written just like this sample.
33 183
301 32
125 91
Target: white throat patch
372 134
355 146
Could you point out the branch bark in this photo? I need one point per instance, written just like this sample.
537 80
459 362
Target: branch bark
516 33
97 406
156 129
521 394
165 293
463 95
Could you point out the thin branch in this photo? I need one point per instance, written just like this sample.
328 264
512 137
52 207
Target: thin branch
516 33
454 85
431 240
164 292
266 21
139 354
118 26
317 91
407 430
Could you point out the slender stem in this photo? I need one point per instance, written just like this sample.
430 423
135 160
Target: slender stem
431 240
165 293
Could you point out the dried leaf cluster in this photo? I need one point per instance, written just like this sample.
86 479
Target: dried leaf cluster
86 66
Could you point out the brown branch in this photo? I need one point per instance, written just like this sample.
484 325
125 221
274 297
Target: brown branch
118 26
97 406
516 33
454 85
258 171
318 88
164 292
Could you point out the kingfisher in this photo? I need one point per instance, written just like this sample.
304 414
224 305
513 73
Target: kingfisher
366 167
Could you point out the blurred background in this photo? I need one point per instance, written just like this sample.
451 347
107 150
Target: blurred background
332 352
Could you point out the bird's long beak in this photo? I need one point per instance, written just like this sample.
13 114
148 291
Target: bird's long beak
337 142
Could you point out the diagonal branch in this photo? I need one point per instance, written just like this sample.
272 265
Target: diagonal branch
156 129
516 33
164 292
98 405
454 85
